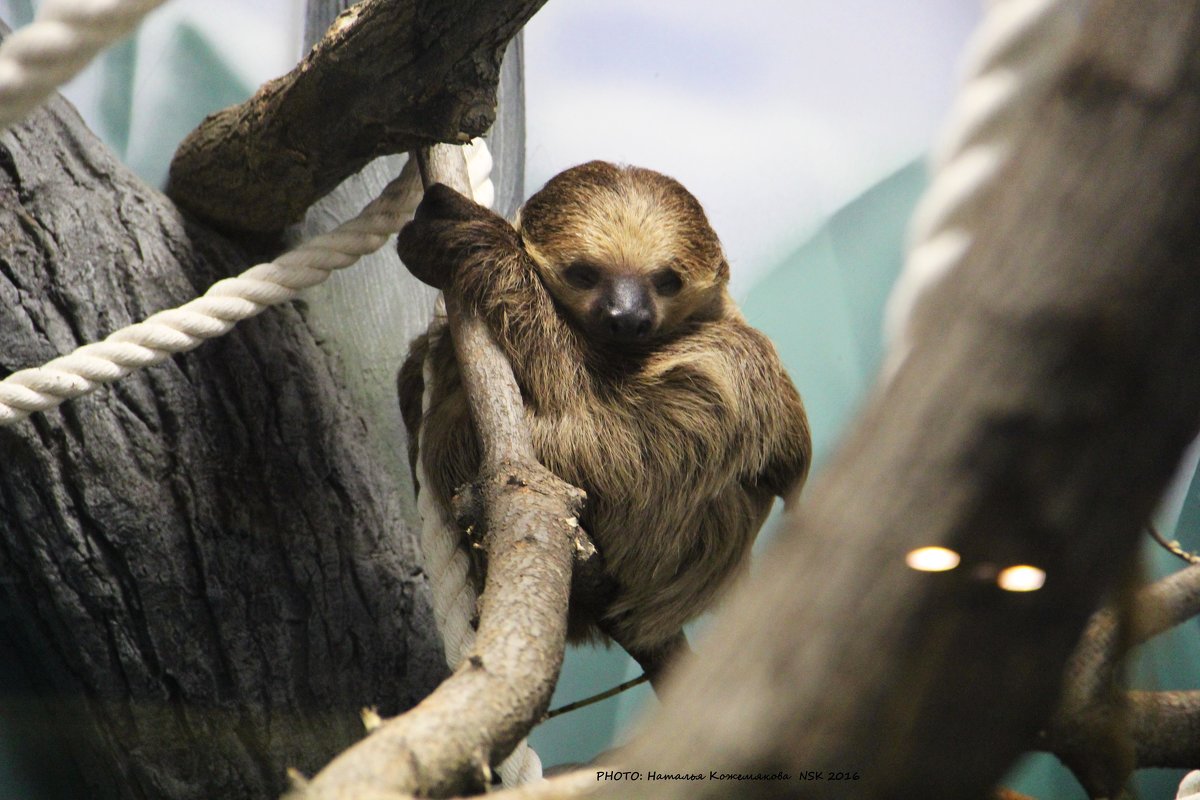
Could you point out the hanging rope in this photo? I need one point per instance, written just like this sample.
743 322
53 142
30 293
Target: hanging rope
1189 787
226 303
65 36
1016 54
446 562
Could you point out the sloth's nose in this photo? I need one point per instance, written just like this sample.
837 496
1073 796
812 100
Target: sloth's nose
628 323
627 312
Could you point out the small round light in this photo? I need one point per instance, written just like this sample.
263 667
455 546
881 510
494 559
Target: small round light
932 559
1021 578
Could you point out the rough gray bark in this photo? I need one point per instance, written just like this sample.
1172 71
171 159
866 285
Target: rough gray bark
204 571
506 136
406 72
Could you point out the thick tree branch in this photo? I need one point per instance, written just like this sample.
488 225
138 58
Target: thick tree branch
448 743
388 76
1165 727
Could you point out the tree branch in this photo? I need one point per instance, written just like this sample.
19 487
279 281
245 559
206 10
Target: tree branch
1149 729
1154 609
1102 732
1166 603
388 76
1165 728
448 743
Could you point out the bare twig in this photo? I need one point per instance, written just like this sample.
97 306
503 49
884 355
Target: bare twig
1173 547
1100 730
1156 609
1166 603
596 698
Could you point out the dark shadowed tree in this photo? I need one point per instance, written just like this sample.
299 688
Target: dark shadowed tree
209 568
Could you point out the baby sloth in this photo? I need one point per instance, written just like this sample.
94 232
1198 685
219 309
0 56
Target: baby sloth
643 385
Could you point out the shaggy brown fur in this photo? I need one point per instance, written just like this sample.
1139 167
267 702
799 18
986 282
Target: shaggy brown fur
681 436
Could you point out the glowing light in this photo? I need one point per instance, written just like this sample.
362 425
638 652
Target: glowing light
1022 578
932 559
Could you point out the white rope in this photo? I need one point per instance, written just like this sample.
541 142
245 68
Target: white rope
62 39
1189 787
1013 58
447 562
226 303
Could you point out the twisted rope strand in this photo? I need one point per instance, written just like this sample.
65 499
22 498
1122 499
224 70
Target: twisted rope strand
446 562
61 41
226 303
1017 53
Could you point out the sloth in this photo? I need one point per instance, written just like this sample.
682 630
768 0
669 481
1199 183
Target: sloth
643 385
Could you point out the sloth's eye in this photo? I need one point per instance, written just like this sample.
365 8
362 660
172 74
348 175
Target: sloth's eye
581 275
667 282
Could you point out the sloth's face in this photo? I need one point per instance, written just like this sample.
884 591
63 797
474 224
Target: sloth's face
626 252
619 306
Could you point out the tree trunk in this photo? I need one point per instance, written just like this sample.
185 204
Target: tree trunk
1050 392
206 573
208 568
